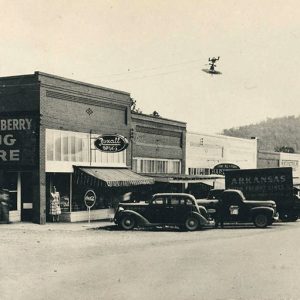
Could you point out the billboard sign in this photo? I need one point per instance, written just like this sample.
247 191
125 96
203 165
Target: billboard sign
18 140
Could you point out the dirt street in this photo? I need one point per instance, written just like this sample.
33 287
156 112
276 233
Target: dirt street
78 261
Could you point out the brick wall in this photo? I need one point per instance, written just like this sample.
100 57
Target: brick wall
67 105
158 138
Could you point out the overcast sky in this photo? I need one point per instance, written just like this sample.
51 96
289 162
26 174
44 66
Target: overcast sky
155 50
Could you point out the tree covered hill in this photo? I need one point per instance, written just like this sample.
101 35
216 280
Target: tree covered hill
278 134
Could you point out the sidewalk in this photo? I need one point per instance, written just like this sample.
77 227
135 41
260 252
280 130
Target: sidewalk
78 226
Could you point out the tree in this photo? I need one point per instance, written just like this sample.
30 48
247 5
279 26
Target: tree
285 149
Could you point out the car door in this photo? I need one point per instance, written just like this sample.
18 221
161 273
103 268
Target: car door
235 208
154 212
172 210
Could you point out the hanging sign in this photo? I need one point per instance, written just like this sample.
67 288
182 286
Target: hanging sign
220 168
111 143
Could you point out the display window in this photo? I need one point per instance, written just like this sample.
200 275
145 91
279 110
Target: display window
61 183
11 183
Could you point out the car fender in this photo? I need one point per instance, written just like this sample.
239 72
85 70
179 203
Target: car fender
139 218
202 220
203 211
268 210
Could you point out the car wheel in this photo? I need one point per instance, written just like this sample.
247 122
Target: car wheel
127 222
261 220
288 217
191 223
284 217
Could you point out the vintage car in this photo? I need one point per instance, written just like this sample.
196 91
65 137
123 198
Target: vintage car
211 202
176 209
235 208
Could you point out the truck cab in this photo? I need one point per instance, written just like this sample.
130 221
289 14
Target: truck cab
235 208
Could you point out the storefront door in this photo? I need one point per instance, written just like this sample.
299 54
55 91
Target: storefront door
26 196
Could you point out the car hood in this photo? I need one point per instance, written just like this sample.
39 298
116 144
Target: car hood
260 203
206 201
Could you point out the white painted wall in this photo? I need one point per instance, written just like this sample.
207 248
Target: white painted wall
206 151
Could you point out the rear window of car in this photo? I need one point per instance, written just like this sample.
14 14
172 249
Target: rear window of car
189 202
179 200
174 201
158 201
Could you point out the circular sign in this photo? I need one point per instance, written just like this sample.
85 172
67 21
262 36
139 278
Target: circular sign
89 198
111 143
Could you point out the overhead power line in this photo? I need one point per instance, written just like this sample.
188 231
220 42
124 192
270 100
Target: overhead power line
129 71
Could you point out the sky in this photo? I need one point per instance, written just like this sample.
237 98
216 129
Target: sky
156 50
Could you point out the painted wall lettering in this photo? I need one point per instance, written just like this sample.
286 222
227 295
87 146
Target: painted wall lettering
18 140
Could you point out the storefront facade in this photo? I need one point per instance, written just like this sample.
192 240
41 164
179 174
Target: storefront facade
206 152
272 159
59 121
19 161
158 149
208 155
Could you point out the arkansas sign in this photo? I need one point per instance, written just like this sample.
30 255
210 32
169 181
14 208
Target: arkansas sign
111 143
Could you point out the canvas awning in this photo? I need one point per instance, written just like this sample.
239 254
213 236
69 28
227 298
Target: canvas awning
109 177
206 179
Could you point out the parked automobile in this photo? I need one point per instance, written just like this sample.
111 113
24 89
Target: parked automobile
234 207
176 209
268 183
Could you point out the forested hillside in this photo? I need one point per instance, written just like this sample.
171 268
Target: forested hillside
280 134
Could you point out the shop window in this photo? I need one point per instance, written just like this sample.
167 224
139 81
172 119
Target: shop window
65 148
57 149
73 150
50 147
104 199
61 181
11 184
156 166
75 147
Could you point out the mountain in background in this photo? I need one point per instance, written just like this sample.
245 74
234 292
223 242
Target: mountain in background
279 134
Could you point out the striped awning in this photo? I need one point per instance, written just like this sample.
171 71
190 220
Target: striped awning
109 177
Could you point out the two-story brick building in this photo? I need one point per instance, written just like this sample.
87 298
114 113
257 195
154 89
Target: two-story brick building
158 149
48 125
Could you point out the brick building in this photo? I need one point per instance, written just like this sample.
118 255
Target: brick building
48 127
158 149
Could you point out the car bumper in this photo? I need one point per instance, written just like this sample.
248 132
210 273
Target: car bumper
276 217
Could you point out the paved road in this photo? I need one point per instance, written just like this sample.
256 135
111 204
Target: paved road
76 261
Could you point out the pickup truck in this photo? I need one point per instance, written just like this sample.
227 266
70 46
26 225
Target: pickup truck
236 208
175 209
267 183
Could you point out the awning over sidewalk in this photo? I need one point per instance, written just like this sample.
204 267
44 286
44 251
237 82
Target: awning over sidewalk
206 179
109 177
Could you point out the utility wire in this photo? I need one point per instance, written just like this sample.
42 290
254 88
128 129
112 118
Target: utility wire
152 68
153 75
